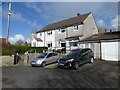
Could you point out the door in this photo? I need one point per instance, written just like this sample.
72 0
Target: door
84 56
55 57
49 58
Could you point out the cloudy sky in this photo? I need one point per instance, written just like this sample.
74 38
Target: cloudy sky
32 16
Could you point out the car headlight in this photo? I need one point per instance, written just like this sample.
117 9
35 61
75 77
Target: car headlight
38 61
70 60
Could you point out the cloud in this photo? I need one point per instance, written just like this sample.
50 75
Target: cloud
101 23
16 38
18 17
114 23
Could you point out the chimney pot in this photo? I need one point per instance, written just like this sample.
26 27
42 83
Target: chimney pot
78 14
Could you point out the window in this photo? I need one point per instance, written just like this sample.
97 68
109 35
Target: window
49 44
55 54
34 44
49 32
73 43
50 55
75 27
62 30
40 34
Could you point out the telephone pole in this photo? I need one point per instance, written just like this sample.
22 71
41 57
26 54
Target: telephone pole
8 26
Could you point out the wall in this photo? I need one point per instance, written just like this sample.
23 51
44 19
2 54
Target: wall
58 36
72 32
6 61
89 27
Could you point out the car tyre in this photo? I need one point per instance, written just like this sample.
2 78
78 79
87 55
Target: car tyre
75 65
91 60
43 64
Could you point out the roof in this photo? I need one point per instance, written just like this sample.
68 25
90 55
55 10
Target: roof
65 23
103 36
2 40
73 37
39 39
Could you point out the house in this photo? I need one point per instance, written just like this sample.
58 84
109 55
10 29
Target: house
37 42
109 44
66 33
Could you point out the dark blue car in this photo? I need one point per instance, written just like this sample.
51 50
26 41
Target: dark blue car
76 57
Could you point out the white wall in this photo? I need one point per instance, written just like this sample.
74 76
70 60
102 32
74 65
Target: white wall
89 27
33 41
110 51
40 44
50 38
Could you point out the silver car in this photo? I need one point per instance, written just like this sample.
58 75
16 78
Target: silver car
45 58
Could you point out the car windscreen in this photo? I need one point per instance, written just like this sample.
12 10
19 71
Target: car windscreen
42 55
70 53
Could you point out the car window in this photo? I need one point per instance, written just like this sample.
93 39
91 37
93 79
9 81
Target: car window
55 54
49 55
42 55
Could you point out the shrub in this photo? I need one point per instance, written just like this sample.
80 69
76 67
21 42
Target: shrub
7 49
23 49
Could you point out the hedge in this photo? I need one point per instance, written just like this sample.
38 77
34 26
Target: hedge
23 49
7 49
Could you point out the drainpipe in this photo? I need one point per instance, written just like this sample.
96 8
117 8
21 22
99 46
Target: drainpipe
44 39
100 50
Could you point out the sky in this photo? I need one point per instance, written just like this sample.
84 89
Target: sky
27 17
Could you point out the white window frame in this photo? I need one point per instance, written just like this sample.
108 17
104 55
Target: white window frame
61 29
49 32
40 34
76 27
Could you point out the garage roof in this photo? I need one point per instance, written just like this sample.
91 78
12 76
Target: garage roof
103 36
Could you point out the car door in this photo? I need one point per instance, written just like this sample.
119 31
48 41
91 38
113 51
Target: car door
55 57
49 58
83 56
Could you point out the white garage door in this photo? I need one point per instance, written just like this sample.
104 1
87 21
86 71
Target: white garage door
110 51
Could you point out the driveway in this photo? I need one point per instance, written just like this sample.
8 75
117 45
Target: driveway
100 74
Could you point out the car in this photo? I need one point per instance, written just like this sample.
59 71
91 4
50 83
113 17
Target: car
75 58
45 58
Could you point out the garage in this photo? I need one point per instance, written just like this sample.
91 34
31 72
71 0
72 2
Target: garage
108 45
110 51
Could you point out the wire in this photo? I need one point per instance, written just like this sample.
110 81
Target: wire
28 14
42 13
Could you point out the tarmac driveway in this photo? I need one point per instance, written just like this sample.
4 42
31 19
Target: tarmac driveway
100 74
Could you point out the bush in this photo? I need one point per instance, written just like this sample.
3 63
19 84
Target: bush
8 52
23 49
7 49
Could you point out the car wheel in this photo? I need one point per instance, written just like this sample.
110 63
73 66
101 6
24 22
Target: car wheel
43 64
75 65
91 59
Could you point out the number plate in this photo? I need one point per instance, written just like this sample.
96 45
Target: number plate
61 64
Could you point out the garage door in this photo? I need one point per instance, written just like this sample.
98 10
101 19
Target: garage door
110 51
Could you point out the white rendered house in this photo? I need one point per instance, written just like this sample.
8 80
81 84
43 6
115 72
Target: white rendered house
67 33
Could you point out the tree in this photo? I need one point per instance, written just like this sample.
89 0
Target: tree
19 42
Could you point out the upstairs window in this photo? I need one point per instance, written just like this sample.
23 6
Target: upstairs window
62 30
75 27
40 34
49 33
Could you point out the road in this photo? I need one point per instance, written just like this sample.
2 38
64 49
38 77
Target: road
100 74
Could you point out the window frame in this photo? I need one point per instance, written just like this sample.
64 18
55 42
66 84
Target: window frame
76 27
49 32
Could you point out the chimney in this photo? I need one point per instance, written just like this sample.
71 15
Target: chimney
105 31
110 31
78 14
